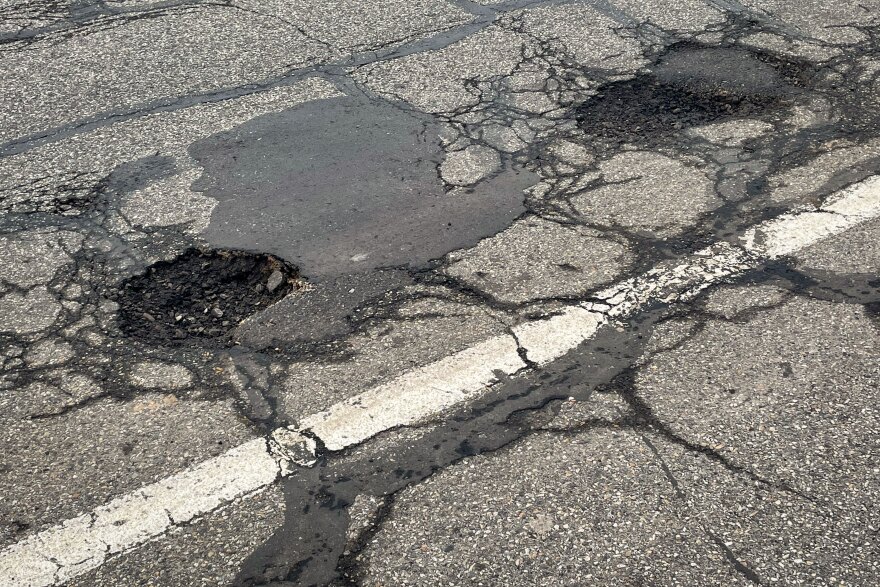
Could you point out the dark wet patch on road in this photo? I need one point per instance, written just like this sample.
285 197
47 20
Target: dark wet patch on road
201 294
315 547
312 548
689 86
346 185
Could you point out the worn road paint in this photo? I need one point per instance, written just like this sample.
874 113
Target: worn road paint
416 395
85 542
678 281
792 232
430 390
545 341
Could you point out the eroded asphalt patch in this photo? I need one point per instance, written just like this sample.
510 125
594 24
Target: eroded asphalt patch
185 268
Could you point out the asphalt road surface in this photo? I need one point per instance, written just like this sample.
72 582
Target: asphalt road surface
439 293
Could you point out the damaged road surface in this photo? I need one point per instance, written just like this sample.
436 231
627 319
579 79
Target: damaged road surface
440 293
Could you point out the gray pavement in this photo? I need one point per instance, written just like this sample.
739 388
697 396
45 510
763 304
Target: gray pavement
218 219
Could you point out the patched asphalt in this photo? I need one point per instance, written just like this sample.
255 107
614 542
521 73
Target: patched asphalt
219 219
321 185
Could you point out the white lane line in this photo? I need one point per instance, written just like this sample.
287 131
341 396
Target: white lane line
792 232
83 543
544 341
680 281
437 387
416 395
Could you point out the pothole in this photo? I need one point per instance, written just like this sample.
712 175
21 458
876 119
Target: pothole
202 294
691 86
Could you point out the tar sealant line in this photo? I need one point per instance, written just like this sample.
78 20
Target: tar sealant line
80 544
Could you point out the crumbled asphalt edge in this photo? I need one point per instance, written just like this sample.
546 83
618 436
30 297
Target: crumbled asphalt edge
659 249
201 293
492 424
94 203
100 269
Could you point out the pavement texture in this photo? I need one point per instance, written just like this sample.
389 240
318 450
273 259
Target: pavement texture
222 219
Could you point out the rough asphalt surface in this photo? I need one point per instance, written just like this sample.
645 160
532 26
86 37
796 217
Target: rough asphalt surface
218 218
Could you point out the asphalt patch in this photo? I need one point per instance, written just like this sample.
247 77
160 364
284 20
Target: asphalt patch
201 294
138 174
290 324
691 86
346 185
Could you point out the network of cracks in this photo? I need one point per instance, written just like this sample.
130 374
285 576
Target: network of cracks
177 300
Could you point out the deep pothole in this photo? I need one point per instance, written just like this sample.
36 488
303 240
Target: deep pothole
201 294
690 86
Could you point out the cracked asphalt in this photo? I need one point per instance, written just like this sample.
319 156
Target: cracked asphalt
220 219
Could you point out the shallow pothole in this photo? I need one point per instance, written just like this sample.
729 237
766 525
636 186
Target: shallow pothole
690 86
202 294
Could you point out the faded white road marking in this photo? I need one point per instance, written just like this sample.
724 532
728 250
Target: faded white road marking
430 390
797 230
425 392
83 543
545 341
416 395
678 281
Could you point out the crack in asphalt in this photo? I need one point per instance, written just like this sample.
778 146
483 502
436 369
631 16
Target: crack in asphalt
741 568
480 439
381 53
641 417
490 425
661 247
